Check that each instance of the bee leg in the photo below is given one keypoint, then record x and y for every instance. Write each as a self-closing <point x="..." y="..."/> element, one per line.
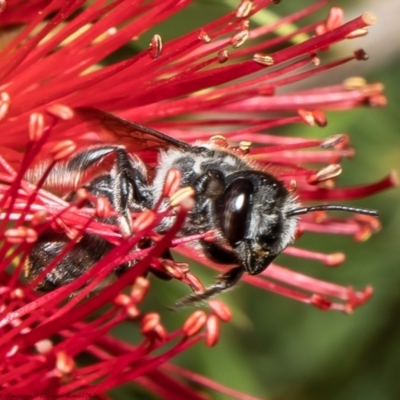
<point x="93" y="156"/>
<point x="223" y="283"/>
<point x="128" y="183"/>
<point x="218" y="253"/>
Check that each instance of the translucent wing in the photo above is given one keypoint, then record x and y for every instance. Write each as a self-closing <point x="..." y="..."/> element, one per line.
<point x="135" y="136"/>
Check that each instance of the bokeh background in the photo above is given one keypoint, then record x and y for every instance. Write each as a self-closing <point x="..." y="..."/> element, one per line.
<point x="276" y="348"/>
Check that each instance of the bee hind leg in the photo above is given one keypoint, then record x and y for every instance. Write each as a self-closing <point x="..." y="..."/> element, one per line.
<point x="125" y="186"/>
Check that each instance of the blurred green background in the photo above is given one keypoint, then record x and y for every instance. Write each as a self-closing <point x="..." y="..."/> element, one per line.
<point x="276" y="348"/>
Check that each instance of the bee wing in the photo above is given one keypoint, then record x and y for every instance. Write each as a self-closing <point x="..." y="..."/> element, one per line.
<point x="135" y="136"/>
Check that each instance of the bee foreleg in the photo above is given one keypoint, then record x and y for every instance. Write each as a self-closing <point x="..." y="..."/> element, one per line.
<point x="224" y="282"/>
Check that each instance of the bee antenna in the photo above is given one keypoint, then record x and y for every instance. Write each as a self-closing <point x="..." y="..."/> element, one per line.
<point x="332" y="207"/>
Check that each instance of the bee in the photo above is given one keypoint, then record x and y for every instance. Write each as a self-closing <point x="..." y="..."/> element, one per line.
<point x="253" y="215"/>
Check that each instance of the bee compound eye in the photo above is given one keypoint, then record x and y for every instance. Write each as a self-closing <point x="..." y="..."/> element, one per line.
<point x="233" y="209"/>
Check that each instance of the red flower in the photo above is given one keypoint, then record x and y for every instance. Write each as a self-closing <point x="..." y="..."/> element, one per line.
<point x="222" y="78"/>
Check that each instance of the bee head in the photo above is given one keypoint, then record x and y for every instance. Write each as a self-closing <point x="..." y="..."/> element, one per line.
<point x="253" y="217"/>
<point x="258" y="217"/>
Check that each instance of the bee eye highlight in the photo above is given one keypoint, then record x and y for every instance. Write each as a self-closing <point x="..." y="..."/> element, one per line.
<point x="233" y="209"/>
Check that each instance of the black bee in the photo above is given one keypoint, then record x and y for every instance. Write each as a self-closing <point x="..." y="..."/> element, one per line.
<point x="253" y="215"/>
